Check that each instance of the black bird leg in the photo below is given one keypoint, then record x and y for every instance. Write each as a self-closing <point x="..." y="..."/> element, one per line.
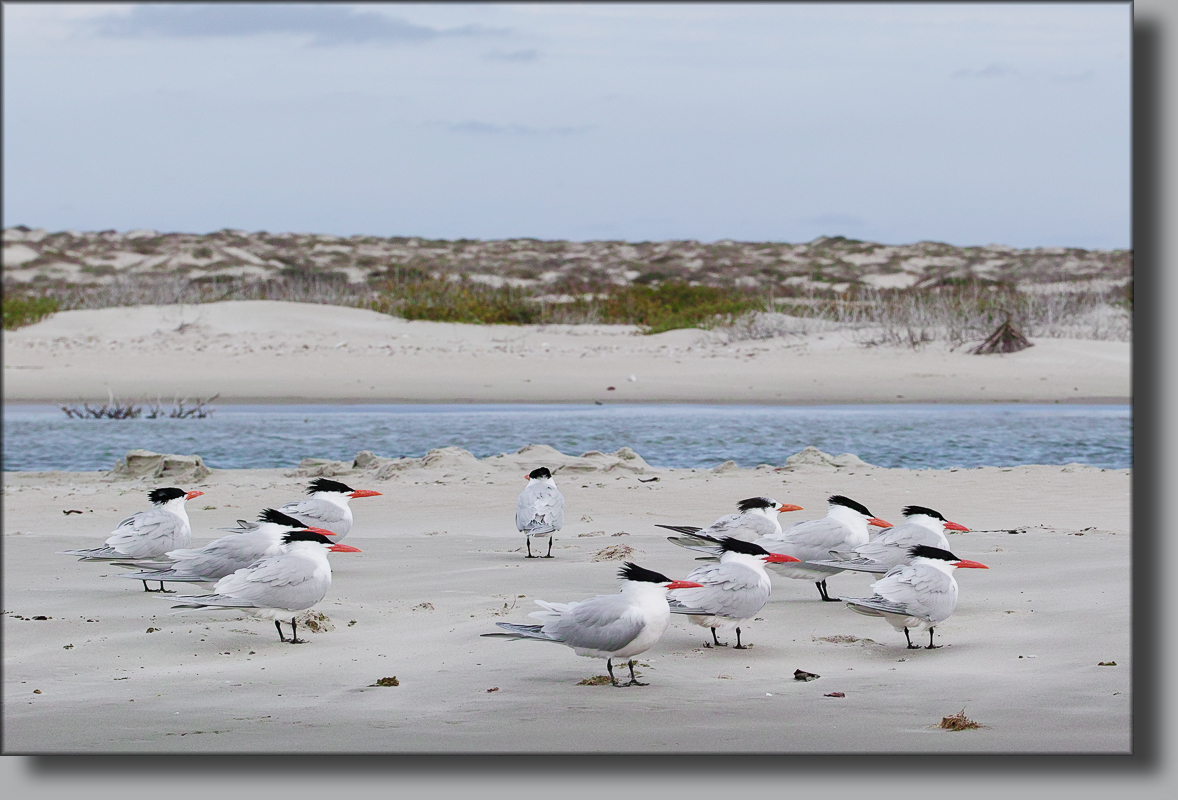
<point x="281" y="638"/>
<point x="294" y="639"/>
<point x="739" y="646"/>
<point x="716" y="639"/>
<point x="609" y="665"/>
<point x="528" y="539"/>
<point x="931" y="646"/>
<point x="911" y="646"/>
<point x="550" y="538"/>
<point x="161" y="589"/>
<point x="822" y="591"/>
<point x="634" y="681"/>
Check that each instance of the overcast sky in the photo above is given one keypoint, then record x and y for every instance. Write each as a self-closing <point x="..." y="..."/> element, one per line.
<point x="963" y="123"/>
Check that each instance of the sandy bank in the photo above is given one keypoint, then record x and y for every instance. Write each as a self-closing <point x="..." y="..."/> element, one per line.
<point x="442" y="563"/>
<point x="287" y="352"/>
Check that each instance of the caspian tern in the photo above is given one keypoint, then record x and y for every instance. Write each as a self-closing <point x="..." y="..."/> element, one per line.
<point x="892" y="547"/>
<point x="916" y="596"/>
<point x="730" y="592"/>
<point x="757" y="517"/>
<point x="246" y="544"/>
<point x="327" y="507"/>
<point x="149" y="534"/>
<point x="608" y="626"/>
<point x="272" y="587"/>
<point x="539" y="510"/>
<point x="843" y="527"/>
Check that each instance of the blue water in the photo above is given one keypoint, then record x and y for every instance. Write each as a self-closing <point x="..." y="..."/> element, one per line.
<point x="911" y="436"/>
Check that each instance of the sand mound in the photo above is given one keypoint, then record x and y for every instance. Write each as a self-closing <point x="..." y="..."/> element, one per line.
<point x="160" y="466"/>
<point x="813" y="457"/>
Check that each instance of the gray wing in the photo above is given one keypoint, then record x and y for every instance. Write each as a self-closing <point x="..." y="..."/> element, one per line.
<point x="729" y="590"/>
<point x="148" y="534"/>
<point x="811" y="540"/>
<point x="223" y="556"/>
<point x="539" y="507"/>
<point x="698" y="542"/>
<point x="286" y="581"/>
<point x="317" y="512"/>
<point x="605" y="622"/>
<point x="748" y="527"/>
<point x="916" y="591"/>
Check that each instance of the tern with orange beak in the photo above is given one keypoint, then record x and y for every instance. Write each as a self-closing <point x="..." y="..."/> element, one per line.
<point x="272" y="587"/>
<point x="608" y="626"/>
<point x="327" y="507"/>
<point x="892" y="547"/>
<point x="756" y="517"/>
<point x="147" y="535"/>
<point x="916" y="596"/>
<point x="843" y="527"/>
<point x="247" y="543"/>
<point x="731" y="592"/>
<point x="539" y="509"/>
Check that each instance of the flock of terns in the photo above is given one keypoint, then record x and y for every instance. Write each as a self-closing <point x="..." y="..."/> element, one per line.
<point x="278" y="566"/>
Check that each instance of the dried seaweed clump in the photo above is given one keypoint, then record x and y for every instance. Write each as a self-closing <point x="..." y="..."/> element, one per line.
<point x="959" y="722"/>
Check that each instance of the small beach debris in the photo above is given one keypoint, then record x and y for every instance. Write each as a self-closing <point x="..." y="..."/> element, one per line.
<point x="835" y="694"/>
<point x="387" y="682"/>
<point x="647" y="480"/>
<point x="596" y="680"/>
<point x="424" y="607"/>
<point x="71" y="511"/>
<point x="68" y="647"/>
<point x="620" y="533"/>
<point x="611" y="388"/>
<point x="493" y="689"/>
<point x="959" y="722"/>
<point x="36" y="691"/>
<point x="1107" y="664"/>
<point x="615" y="552"/>
<point x="351" y="622"/>
<point x="152" y="630"/>
<point x="802" y="675"/>
<point x="315" y="621"/>
<point x="42" y="616"/>
<point x="590" y="533"/>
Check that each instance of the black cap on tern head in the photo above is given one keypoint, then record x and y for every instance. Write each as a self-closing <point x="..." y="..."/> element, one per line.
<point x="305" y="536"/>
<point x="328" y="485"/>
<point x="756" y="502"/>
<point x="278" y="518"/>
<point x="912" y="511"/>
<point x="633" y="572"/>
<point x="733" y="545"/>
<point x="924" y="551"/>
<point x="840" y="500"/>
<point x="540" y="472"/>
<point x="161" y="496"/>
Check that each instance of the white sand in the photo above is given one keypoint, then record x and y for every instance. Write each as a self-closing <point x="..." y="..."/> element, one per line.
<point x="1020" y="655"/>
<point x="287" y="352"/>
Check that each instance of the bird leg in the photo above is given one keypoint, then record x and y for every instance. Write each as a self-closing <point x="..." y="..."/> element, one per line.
<point x="822" y="591"/>
<point x="550" y="538"/>
<point x="911" y="646"/>
<point x="716" y="639"/>
<point x="294" y="639"/>
<point x="609" y="665"/>
<point x="634" y="681"/>
<point x="528" y="539"/>
<point x="281" y="638"/>
<point x="739" y="646"/>
<point x="161" y="589"/>
<point x="931" y="646"/>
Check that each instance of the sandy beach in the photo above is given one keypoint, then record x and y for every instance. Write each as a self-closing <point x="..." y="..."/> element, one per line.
<point x="268" y="351"/>
<point x="93" y="664"/>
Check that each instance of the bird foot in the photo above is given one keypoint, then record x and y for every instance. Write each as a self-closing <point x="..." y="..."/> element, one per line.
<point x="913" y="647"/>
<point x="741" y="647"/>
<point x="830" y="600"/>
<point x="933" y="647"/>
<point x="635" y="683"/>
<point x="160" y="590"/>
<point x="533" y="556"/>
<point x="296" y="641"/>
<point x="546" y="556"/>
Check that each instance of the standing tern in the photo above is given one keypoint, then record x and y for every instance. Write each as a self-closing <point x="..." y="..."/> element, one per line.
<point x="757" y="517"/>
<point x="844" y="526"/>
<point x="916" y="596"/>
<point x="327" y="507"/>
<point x="539" y="510"/>
<point x="730" y="592"/>
<point x="891" y="547"/>
<point x="147" y="534"/>
<point x="272" y="587"/>
<point x="608" y="626"/>
<point x="246" y="544"/>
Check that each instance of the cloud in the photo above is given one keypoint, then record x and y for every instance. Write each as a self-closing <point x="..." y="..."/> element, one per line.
<point x="325" y="24"/>
<point x="992" y="71"/>
<point x="493" y="129"/>
<point x="518" y="56"/>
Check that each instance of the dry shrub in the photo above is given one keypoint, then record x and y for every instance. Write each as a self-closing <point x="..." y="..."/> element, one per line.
<point x="959" y="722"/>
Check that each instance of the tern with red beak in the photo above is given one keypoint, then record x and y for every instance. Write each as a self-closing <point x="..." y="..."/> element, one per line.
<point x="246" y="544"/>
<point x="892" y="547"/>
<point x="843" y="527"/>
<point x="731" y="592"/>
<point x="608" y="626"/>
<point x="757" y="517"/>
<point x="916" y="596"/>
<point x="147" y="535"/>
<point x="272" y="587"/>
<point x="327" y="507"/>
<point x="539" y="510"/>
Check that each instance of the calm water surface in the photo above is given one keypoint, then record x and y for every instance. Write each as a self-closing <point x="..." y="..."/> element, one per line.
<point x="911" y="436"/>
